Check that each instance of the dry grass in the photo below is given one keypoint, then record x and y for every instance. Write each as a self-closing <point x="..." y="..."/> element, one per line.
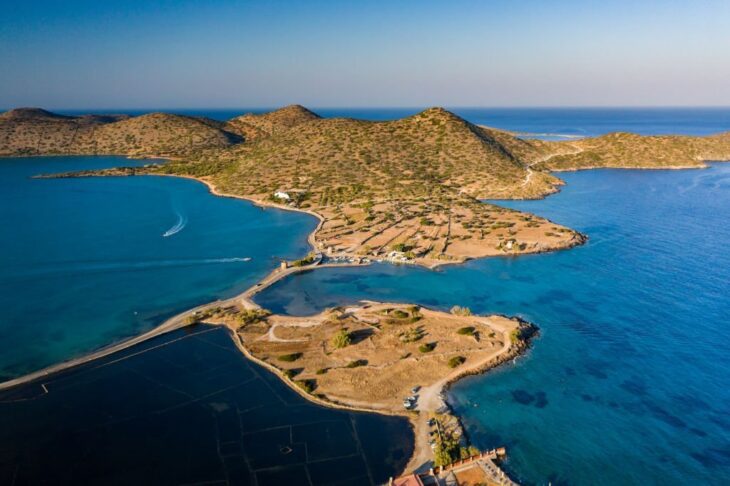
<point x="383" y="363"/>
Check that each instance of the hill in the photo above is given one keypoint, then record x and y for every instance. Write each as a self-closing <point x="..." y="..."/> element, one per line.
<point x="628" y="150"/>
<point x="341" y="157"/>
<point x="403" y="189"/>
<point x="251" y="126"/>
<point x="32" y="131"/>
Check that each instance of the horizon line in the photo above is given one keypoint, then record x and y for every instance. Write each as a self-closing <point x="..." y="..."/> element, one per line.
<point x="384" y="107"/>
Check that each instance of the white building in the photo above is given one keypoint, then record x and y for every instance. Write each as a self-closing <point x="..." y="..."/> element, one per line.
<point x="282" y="195"/>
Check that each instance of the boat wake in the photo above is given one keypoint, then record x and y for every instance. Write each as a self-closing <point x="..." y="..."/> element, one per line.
<point x="77" y="267"/>
<point x="182" y="221"/>
<point x="711" y="180"/>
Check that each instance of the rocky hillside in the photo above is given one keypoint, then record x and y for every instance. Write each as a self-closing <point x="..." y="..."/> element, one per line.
<point x="628" y="150"/>
<point x="345" y="159"/>
<point x="30" y="131"/>
<point x="251" y="126"/>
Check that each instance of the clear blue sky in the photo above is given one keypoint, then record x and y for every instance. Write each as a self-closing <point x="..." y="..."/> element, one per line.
<point x="215" y="53"/>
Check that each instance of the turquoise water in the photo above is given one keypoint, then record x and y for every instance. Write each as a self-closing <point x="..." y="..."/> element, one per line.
<point x="627" y="384"/>
<point x="629" y="381"/>
<point x="87" y="262"/>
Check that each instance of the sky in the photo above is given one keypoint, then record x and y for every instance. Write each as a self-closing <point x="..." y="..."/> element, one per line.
<point x="401" y="53"/>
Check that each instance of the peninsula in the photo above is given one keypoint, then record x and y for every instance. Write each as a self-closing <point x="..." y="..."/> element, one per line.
<point x="408" y="191"/>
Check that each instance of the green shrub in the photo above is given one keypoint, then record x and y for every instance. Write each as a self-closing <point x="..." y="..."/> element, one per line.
<point x="466" y="331"/>
<point x="303" y="261"/>
<point x="341" y="339"/>
<point x="322" y="371"/>
<point x="307" y="385"/>
<point x="427" y="347"/>
<point x="357" y="363"/>
<point x="252" y="316"/>
<point x="291" y="373"/>
<point x="290" y="357"/>
<point x="399" y="314"/>
<point x="411" y="335"/>
<point x="456" y="361"/>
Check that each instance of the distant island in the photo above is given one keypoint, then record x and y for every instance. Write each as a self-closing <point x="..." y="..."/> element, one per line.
<point x="407" y="191"/>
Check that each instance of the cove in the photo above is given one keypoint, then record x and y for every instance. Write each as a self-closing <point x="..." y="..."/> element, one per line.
<point x="88" y="262"/>
<point x="628" y="382"/>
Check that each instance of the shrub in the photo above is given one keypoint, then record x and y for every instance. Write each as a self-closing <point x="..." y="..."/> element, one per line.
<point x="303" y="261"/>
<point x="399" y="314"/>
<point x="307" y="385"/>
<point x="357" y="363"/>
<point x="457" y="310"/>
<point x="411" y="335"/>
<point x="456" y="361"/>
<point x="322" y="371"/>
<point x="466" y="331"/>
<point x="252" y="316"/>
<point x="341" y="339"/>
<point x="291" y="373"/>
<point x="427" y="347"/>
<point x="290" y="357"/>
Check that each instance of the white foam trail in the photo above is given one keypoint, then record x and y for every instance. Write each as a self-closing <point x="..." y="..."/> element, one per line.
<point x="94" y="267"/>
<point x="182" y="221"/>
<point x="696" y="181"/>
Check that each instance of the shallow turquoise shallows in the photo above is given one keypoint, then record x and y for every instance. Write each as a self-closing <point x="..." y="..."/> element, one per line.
<point x="88" y="262"/>
<point x="629" y="381"/>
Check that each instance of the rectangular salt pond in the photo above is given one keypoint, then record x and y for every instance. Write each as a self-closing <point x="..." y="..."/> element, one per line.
<point x="183" y="408"/>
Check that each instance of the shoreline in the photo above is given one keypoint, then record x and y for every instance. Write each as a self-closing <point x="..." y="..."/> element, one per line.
<point x="418" y="421"/>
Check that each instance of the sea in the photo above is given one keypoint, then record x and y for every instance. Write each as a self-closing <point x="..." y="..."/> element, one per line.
<point x="627" y="383"/>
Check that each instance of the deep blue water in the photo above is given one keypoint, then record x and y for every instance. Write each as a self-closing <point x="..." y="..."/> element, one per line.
<point x="550" y="123"/>
<point x="188" y="408"/>
<point x="84" y="263"/>
<point x="629" y="381"/>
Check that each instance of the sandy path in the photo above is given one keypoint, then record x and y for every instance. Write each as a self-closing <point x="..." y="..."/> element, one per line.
<point x="271" y="335"/>
<point x="430" y="400"/>
<point x="530" y="172"/>
<point x="176" y="322"/>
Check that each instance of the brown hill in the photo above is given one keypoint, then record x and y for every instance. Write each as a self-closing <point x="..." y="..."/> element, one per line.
<point x="628" y="150"/>
<point x="32" y="131"/>
<point x="407" y="184"/>
<point x="157" y="134"/>
<point x="252" y="126"/>
<point x="409" y="157"/>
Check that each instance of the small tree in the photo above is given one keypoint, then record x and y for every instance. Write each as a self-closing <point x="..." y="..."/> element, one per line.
<point x="341" y="339"/>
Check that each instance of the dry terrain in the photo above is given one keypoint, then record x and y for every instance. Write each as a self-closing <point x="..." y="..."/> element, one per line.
<point x="407" y="190"/>
<point x="628" y="150"/>
<point x="373" y="355"/>
<point x="25" y="132"/>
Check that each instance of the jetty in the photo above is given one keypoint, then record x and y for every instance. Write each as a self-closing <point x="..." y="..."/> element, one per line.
<point x="480" y="468"/>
